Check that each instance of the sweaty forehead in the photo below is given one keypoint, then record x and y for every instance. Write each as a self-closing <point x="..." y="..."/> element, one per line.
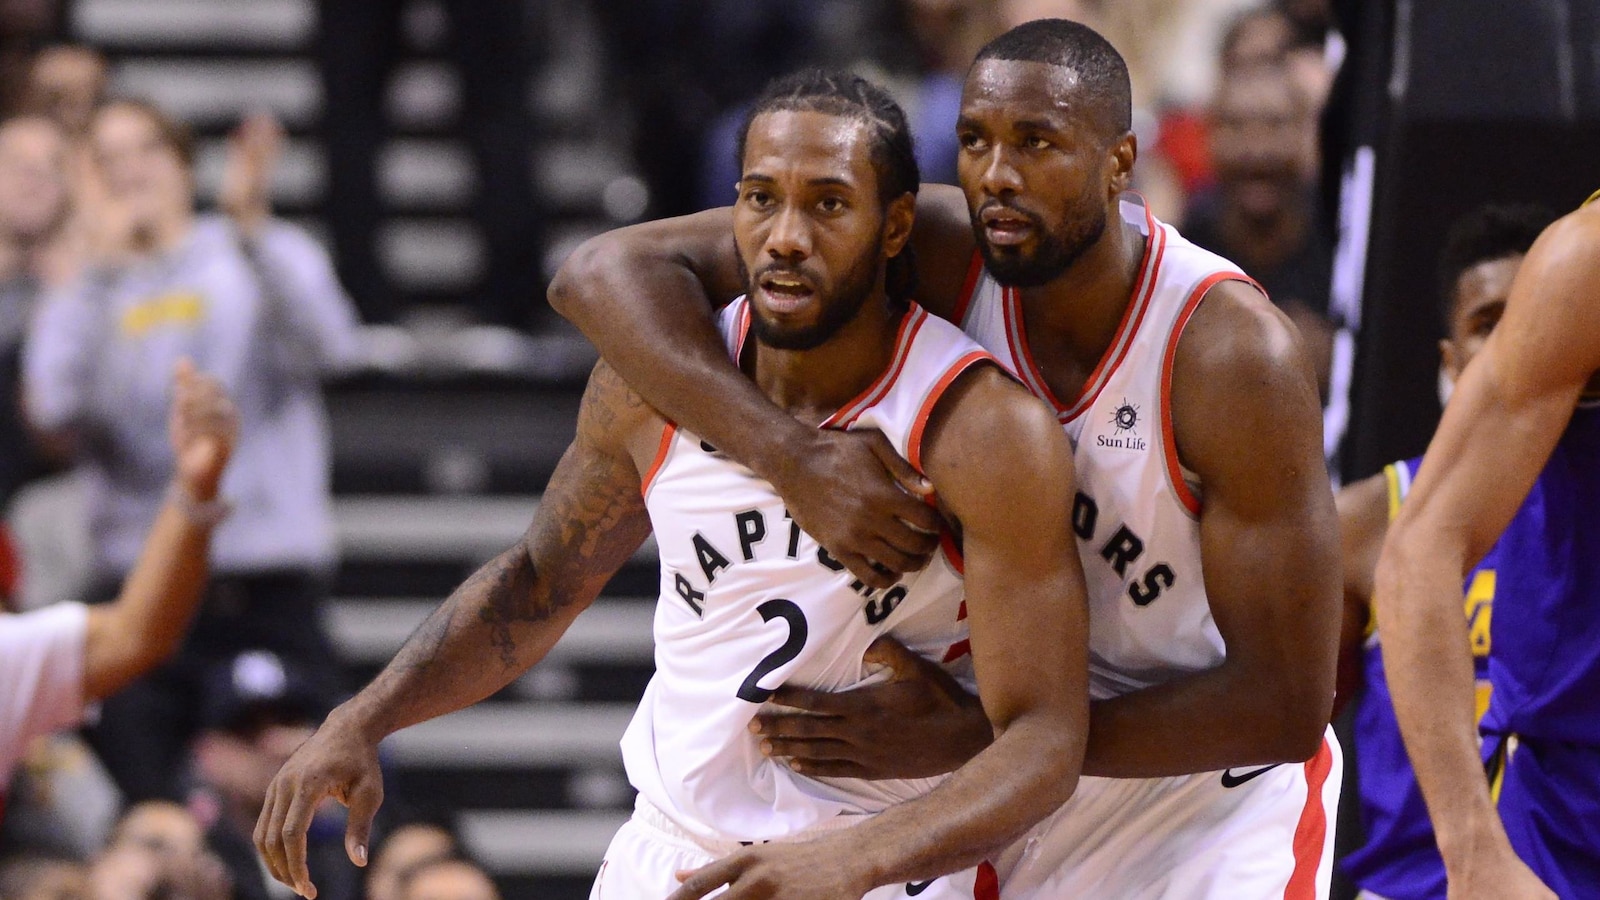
<point x="1015" y="90"/>
<point x="808" y="145"/>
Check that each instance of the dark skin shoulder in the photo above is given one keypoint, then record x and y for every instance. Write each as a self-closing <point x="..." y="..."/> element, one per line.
<point x="1248" y="422"/>
<point x="645" y="296"/>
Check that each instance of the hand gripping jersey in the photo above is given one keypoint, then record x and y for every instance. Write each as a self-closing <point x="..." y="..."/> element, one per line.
<point x="749" y="602"/>
<point x="1239" y="833"/>
<point x="1400" y="859"/>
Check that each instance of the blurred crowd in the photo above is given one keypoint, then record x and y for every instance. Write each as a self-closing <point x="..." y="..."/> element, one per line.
<point x="110" y="272"/>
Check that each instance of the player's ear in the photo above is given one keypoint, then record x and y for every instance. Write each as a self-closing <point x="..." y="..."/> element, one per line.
<point x="1119" y="160"/>
<point x="898" y="217"/>
<point x="1449" y="361"/>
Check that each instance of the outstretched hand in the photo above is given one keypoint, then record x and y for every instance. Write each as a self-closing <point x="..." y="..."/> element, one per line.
<point x="864" y="504"/>
<point x="918" y="724"/>
<point x="336" y="762"/>
<point x="202" y="427"/>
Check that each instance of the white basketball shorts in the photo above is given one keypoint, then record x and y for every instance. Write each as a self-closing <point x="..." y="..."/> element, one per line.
<point x="1247" y="833"/>
<point x="649" y="849"/>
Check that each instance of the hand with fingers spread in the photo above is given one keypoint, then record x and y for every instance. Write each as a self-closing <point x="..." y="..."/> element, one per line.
<point x="864" y="503"/>
<point x="339" y="761"/>
<point x="811" y="870"/>
<point x="918" y="724"/>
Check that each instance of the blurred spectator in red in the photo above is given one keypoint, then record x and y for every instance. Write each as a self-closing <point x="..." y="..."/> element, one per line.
<point x="255" y="710"/>
<point x="254" y="302"/>
<point x="1262" y="211"/>
<point x="66" y="83"/>
<point x="157" y="850"/>
<point x="451" y="878"/>
<point x="54" y="661"/>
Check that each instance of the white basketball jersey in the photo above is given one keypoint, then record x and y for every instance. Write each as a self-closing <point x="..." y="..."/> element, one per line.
<point x="1137" y="510"/>
<point x="750" y="602"/>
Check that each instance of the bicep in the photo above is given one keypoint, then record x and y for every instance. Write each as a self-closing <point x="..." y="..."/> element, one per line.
<point x="1026" y="600"/>
<point x="624" y="263"/>
<point x="1247" y="420"/>
<point x="592" y="516"/>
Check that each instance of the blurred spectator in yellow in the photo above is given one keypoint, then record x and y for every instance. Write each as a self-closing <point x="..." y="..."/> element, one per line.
<point x="66" y="83"/>
<point x="1262" y="211"/>
<point x="254" y="302"/>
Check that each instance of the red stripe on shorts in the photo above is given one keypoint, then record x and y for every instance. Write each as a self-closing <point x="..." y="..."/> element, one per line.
<point x="1312" y="832"/>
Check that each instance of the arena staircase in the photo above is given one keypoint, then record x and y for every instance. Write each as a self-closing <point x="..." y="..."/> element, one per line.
<point x="444" y="439"/>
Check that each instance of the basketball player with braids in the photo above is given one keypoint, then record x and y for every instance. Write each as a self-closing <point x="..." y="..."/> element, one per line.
<point x="749" y="601"/>
<point x="1203" y="516"/>
<point x="1516" y="458"/>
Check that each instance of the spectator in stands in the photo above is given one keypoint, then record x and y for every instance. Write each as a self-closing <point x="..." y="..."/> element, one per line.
<point x="492" y="50"/>
<point x="40" y="877"/>
<point x="1262" y="212"/>
<point x="158" y="851"/>
<point x="55" y="660"/>
<point x="67" y="83"/>
<point x="447" y="878"/>
<point x="407" y="847"/>
<point x="255" y="303"/>
<point x="33" y="207"/>
<point x="255" y="710"/>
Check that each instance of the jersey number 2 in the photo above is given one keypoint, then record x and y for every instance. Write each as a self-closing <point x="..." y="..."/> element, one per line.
<point x="796" y="617"/>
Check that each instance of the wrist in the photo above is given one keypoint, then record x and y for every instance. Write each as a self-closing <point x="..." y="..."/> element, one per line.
<point x="1470" y="839"/>
<point x="354" y="719"/>
<point x="783" y="452"/>
<point x="197" y="500"/>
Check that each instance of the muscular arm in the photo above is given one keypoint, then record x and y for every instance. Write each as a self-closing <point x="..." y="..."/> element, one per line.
<point x="644" y="296"/>
<point x="1028" y="615"/>
<point x="500" y="621"/>
<point x="1363" y="521"/>
<point x="1506" y="415"/>
<point x="1247" y="420"/>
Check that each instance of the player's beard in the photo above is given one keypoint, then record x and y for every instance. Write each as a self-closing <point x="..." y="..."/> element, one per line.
<point x="1054" y="252"/>
<point x="839" y="307"/>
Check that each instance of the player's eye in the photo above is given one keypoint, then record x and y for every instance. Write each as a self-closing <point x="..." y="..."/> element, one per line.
<point x="831" y="205"/>
<point x="758" y="198"/>
<point x="972" y="142"/>
<point x="1035" y="142"/>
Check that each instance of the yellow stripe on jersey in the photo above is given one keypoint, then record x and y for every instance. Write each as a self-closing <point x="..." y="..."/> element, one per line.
<point x="1592" y="198"/>
<point x="1392" y="475"/>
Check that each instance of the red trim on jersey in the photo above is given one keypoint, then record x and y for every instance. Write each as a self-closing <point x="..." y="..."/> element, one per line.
<point x="935" y="394"/>
<point x="667" y="431"/>
<point x="987" y="886"/>
<point x="743" y="330"/>
<point x="974" y="272"/>
<point x="1312" y="831"/>
<point x="846" y="415"/>
<point x="947" y="543"/>
<point x="1132" y="317"/>
<point x="957" y="650"/>
<point x="1168" y="441"/>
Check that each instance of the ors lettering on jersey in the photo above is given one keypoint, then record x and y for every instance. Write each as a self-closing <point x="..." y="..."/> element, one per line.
<point x="1137" y="511"/>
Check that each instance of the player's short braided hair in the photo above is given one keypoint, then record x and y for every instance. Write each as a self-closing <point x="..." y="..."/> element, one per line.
<point x="893" y="156"/>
